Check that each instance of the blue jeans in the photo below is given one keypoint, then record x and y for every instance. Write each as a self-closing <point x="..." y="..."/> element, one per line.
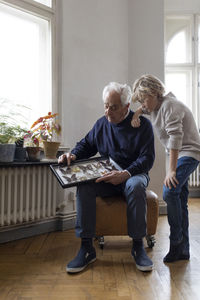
<point x="177" y="202"/>
<point x="134" y="190"/>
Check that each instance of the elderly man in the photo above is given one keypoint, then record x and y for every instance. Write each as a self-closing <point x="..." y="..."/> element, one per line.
<point x="133" y="150"/>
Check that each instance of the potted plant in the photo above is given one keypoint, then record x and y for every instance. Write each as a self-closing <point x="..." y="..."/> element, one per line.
<point x="9" y="135"/>
<point x="32" y="146"/>
<point x="47" y="130"/>
<point x="13" y="127"/>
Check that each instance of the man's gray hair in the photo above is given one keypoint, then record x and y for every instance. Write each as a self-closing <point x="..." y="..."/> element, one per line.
<point x="122" y="89"/>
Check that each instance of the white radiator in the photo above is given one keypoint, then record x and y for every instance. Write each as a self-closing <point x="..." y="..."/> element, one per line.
<point x="194" y="180"/>
<point x="27" y="194"/>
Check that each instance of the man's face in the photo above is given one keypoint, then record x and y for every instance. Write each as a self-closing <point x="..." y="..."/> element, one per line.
<point x="114" y="111"/>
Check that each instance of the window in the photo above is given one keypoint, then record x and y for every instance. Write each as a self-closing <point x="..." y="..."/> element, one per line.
<point x="45" y="2"/>
<point x="182" y="59"/>
<point x="26" y="56"/>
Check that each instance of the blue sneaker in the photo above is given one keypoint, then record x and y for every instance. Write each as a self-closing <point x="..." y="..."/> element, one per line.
<point x="80" y="262"/>
<point x="143" y="262"/>
<point x="177" y="252"/>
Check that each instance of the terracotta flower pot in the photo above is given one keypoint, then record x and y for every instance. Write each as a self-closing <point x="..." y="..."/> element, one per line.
<point x="50" y="149"/>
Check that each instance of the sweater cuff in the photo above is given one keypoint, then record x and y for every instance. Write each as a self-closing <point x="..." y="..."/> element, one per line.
<point x="128" y="172"/>
<point x="175" y="143"/>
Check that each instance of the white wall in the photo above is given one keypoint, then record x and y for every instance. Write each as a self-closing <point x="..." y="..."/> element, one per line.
<point x="95" y="52"/>
<point x="190" y="6"/>
<point x="102" y="41"/>
<point x="146" y="38"/>
<point x="146" y="55"/>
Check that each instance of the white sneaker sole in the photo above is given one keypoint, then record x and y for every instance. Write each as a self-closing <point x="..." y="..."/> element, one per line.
<point x="144" y="268"/>
<point x="77" y="270"/>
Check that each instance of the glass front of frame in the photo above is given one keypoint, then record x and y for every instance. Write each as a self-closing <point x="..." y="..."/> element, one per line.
<point x="83" y="171"/>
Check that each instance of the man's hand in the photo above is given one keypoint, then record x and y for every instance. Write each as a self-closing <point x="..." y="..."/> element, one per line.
<point x="171" y="180"/>
<point x="114" y="177"/>
<point x="66" y="158"/>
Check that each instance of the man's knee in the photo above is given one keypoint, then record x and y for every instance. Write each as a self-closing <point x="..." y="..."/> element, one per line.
<point x="135" y="187"/>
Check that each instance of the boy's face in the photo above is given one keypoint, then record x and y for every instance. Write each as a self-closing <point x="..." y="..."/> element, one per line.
<point x="150" y="103"/>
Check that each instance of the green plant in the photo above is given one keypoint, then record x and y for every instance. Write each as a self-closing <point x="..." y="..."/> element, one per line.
<point x="9" y="134"/>
<point x="13" y="122"/>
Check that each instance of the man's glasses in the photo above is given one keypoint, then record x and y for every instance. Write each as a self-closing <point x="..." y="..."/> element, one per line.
<point x="111" y="107"/>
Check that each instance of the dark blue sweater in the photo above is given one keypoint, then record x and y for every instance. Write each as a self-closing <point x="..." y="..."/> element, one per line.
<point x="131" y="148"/>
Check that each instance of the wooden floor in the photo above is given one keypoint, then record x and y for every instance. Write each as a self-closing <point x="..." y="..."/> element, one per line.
<point x="34" y="268"/>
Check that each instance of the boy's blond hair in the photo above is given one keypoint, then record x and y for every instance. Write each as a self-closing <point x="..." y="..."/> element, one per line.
<point x="147" y="85"/>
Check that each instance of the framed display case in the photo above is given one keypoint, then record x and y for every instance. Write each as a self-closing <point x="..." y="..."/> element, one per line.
<point x="82" y="171"/>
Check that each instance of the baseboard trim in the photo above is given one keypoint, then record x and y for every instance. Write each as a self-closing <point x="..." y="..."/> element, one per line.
<point x="194" y="193"/>
<point x="16" y="232"/>
<point x="162" y="208"/>
<point x="58" y="223"/>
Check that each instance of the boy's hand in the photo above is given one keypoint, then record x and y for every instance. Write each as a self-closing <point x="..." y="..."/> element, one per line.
<point x="171" y="180"/>
<point x="135" y="122"/>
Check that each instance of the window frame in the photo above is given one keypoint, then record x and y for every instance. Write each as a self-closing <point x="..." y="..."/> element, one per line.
<point x="37" y="4"/>
<point x="194" y="66"/>
<point x="31" y="5"/>
<point x="186" y="70"/>
<point x="180" y="16"/>
<point x="49" y="14"/>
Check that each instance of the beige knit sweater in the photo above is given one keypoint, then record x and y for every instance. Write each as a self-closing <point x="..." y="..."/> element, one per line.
<point x="175" y="126"/>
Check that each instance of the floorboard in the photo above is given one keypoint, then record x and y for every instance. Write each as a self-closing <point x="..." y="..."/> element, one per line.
<point x="34" y="268"/>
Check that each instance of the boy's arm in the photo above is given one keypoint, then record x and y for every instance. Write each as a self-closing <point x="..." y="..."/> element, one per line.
<point x="135" y="122"/>
<point x="170" y="178"/>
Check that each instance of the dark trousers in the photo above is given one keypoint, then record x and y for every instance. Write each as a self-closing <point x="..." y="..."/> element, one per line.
<point x="177" y="201"/>
<point x="134" y="190"/>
